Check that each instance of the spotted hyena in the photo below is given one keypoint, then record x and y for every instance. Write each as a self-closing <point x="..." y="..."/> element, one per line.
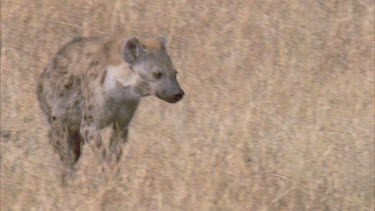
<point x="92" y="83"/>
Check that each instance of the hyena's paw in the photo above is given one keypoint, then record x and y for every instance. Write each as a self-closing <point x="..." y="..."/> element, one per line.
<point x="108" y="166"/>
<point x="110" y="172"/>
<point x="68" y="177"/>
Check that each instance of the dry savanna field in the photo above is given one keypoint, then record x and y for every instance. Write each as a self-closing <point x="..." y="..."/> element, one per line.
<point x="278" y="112"/>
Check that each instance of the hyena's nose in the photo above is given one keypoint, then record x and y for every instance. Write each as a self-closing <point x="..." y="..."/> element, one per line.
<point x="179" y="95"/>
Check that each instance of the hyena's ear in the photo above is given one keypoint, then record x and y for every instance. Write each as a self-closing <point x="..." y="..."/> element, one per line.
<point x="163" y="42"/>
<point x="132" y="50"/>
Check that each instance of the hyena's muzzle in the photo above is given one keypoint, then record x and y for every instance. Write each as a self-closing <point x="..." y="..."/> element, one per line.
<point x="170" y="91"/>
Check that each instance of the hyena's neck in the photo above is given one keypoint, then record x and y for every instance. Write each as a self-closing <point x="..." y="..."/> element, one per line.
<point x="121" y="83"/>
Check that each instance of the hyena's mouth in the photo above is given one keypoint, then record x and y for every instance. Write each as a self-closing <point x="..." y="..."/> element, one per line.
<point x="173" y="98"/>
<point x="145" y="90"/>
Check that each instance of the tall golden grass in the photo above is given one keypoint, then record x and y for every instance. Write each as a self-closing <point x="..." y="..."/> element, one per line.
<point x="278" y="114"/>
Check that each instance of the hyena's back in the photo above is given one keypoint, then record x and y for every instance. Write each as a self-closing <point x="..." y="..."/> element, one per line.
<point x="59" y="86"/>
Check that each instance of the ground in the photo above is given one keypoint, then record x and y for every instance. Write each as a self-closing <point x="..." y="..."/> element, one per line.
<point x="278" y="112"/>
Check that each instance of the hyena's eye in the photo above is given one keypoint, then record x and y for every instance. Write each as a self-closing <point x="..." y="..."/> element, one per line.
<point x="157" y="75"/>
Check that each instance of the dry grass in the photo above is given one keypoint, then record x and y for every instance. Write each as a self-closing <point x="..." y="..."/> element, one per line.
<point x="279" y="112"/>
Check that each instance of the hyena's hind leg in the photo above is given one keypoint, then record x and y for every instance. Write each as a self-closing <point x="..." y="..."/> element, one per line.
<point x="75" y="141"/>
<point x="68" y="145"/>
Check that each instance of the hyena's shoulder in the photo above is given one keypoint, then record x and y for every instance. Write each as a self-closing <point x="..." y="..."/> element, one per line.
<point x="74" y="55"/>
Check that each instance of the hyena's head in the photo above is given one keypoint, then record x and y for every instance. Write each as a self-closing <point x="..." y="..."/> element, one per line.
<point x="150" y="61"/>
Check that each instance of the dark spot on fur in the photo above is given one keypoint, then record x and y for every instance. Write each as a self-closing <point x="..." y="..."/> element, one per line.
<point x="94" y="63"/>
<point x="94" y="75"/>
<point x="6" y="134"/>
<point x="106" y="50"/>
<point x="58" y="133"/>
<point x="86" y="133"/>
<point x="90" y="107"/>
<point x="68" y="82"/>
<point x="69" y="85"/>
<point x="98" y="144"/>
<point x="54" y="118"/>
<point x="103" y="77"/>
<point x="76" y="39"/>
<point x="62" y="50"/>
<point x="91" y="137"/>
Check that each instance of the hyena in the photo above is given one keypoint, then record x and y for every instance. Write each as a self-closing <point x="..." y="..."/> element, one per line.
<point x="92" y="83"/>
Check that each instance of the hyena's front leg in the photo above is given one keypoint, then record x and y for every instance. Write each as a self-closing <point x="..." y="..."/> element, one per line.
<point x="90" y="131"/>
<point x="90" y="122"/>
<point x="91" y="134"/>
<point x="118" y="139"/>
